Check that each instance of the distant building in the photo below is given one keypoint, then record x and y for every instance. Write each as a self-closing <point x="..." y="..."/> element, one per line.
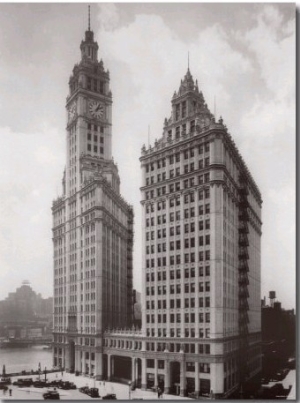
<point x="278" y="335"/>
<point x="25" y="305"/>
<point x="137" y="309"/>
<point x="25" y="314"/>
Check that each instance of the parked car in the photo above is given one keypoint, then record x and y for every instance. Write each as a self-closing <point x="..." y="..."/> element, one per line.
<point x="66" y="385"/>
<point x="84" y="389"/>
<point x="110" y="396"/>
<point x="93" y="392"/>
<point x="21" y="382"/>
<point x="56" y="383"/>
<point x="3" y="387"/>
<point x="40" y="384"/>
<point x="5" y="380"/>
<point x="51" y="395"/>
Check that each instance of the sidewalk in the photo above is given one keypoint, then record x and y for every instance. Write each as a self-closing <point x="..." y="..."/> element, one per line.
<point x="120" y="390"/>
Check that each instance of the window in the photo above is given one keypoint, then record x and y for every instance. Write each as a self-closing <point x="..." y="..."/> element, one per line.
<point x="192" y="126"/>
<point x="177" y="111"/>
<point x="183" y="109"/>
<point x="177" y="132"/>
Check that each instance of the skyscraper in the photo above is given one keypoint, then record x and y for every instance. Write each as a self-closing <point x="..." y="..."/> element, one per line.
<point x="201" y="325"/>
<point x="92" y="224"/>
<point x="201" y="250"/>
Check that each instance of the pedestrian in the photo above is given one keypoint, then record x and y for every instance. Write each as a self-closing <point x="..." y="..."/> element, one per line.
<point x="158" y="393"/>
<point x="104" y="383"/>
<point x="10" y="391"/>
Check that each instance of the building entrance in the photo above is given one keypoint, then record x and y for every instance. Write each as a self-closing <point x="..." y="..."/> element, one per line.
<point x="175" y="378"/>
<point x="121" y="369"/>
<point x="71" y="356"/>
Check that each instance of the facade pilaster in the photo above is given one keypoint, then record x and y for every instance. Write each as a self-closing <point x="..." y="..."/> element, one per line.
<point x="99" y="366"/>
<point x="108" y="367"/>
<point x="167" y="377"/>
<point x="144" y="382"/>
<point x="182" y="378"/>
<point x="197" y="381"/>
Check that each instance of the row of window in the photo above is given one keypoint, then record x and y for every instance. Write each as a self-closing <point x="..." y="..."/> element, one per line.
<point x="188" y="243"/>
<point x="95" y="148"/>
<point x="188" y="258"/>
<point x="95" y="85"/>
<point x="176" y="288"/>
<point x="176" y="158"/>
<point x="176" y="216"/>
<point x="188" y="273"/>
<point x="162" y="332"/>
<point x="161" y="233"/>
<point x="174" y="187"/>
<point x="172" y="347"/>
<point x="175" y="201"/>
<point x="175" y="173"/>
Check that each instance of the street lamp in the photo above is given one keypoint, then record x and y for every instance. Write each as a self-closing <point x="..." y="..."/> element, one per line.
<point x="129" y="384"/>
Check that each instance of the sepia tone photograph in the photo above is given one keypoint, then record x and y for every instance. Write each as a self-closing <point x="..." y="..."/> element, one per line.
<point x="147" y="179"/>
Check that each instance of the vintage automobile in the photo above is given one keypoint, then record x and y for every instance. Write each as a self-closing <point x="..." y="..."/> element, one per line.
<point x="5" y="380"/>
<point x="93" y="392"/>
<point x="109" y="396"/>
<point x="23" y="382"/>
<point x="40" y="384"/>
<point x="67" y="385"/>
<point x="84" y="389"/>
<point x="51" y="395"/>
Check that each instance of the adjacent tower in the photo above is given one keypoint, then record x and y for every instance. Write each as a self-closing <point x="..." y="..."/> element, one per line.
<point x="201" y="253"/>
<point x="92" y="224"/>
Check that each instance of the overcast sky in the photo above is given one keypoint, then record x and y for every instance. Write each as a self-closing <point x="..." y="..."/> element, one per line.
<point x="243" y="54"/>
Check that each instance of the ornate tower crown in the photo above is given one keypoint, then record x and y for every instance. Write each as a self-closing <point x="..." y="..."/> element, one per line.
<point x="89" y="48"/>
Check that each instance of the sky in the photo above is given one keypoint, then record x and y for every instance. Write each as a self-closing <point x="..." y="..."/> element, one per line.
<point x="243" y="56"/>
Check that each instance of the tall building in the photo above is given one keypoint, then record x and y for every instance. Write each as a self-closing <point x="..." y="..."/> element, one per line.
<point x="92" y="224"/>
<point x="201" y="316"/>
<point x="201" y="251"/>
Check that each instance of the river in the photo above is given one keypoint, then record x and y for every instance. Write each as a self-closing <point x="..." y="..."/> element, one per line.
<point x="19" y="359"/>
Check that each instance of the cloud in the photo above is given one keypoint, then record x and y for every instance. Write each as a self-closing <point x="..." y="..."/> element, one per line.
<point x="252" y="74"/>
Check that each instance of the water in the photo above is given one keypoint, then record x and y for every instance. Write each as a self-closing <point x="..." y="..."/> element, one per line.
<point x="19" y="359"/>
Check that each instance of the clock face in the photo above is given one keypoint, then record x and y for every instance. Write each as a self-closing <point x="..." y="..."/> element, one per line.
<point x="96" y="109"/>
<point x="72" y="111"/>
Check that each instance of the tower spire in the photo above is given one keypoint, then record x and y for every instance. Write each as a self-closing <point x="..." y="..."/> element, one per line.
<point x="188" y="60"/>
<point x="89" y="27"/>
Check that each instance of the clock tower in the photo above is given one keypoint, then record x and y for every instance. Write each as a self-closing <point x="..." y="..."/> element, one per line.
<point x="92" y="225"/>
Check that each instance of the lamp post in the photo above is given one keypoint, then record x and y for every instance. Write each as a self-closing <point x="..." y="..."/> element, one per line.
<point x="129" y="391"/>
